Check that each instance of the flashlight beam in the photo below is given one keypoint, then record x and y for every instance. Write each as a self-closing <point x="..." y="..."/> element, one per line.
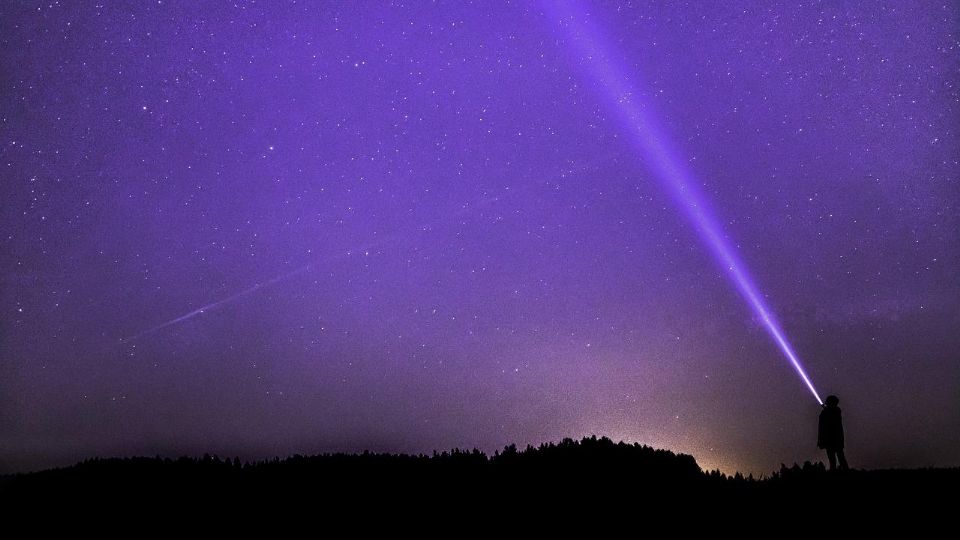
<point x="595" y="57"/>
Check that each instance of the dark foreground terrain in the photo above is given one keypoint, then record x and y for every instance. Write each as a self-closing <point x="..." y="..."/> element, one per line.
<point x="556" y="481"/>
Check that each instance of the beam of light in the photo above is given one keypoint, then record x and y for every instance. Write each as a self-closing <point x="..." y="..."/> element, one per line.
<point x="595" y="57"/>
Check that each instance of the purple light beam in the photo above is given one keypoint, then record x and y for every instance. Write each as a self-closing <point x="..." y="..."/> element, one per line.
<point x="595" y="57"/>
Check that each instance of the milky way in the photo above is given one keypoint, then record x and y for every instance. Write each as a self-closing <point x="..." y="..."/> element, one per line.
<point x="259" y="230"/>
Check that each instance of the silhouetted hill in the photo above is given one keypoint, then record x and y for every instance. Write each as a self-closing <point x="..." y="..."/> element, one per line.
<point x="593" y="473"/>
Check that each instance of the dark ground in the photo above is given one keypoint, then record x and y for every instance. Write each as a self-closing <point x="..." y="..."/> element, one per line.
<point x="553" y="482"/>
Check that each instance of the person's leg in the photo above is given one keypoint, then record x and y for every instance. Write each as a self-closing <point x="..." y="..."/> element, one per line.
<point x="832" y="456"/>
<point x="843" y="459"/>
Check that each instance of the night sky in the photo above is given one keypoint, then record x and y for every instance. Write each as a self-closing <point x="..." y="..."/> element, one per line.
<point x="268" y="228"/>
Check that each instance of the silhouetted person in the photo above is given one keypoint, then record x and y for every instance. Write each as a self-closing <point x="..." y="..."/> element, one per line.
<point x="830" y="433"/>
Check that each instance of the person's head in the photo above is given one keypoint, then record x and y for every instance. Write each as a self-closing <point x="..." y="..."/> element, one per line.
<point x="832" y="401"/>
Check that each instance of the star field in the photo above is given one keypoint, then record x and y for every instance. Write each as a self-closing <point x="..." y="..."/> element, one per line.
<point x="260" y="229"/>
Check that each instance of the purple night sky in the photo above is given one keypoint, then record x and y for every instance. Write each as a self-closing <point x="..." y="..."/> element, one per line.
<point x="417" y="226"/>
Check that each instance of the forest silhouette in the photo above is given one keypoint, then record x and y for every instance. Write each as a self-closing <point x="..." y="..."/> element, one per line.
<point x="592" y="473"/>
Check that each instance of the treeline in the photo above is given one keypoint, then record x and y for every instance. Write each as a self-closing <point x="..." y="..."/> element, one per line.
<point x="592" y="473"/>
<point x="590" y="460"/>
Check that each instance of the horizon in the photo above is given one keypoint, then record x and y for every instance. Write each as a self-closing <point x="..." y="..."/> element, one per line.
<point x="448" y="451"/>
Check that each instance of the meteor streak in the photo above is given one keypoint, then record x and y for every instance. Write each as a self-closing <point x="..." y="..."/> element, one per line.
<point x="464" y="208"/>
<point x="596" y="58"/>
<point x="214" y="305"/>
